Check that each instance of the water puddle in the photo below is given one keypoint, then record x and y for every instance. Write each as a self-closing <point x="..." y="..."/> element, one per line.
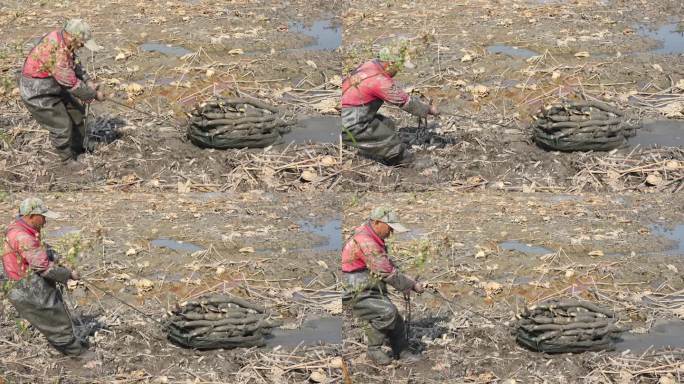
<point x="167" y="277"/>
<point x="675" y="234"/>
<point x="663" y="335"/>
<point x="327" y="36"/>
<point x="511" y="51"/>
<point x="176" y="245"/>
<point x="62" y="231"/>
<point x="563" y="198"/>
<point x="208" y="196"/>
<point x="168" y="50"/>
<point x="664" y="133"/>
<point x="412" y="234"/>
<point x="330" y="230"/>
<point x="321" y="331"/>
<point x="322" y="129"/>
<point x="670" y="36"/>
<point x="514" y="245"/>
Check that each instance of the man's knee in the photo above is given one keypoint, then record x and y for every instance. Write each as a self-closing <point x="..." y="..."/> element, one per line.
<point x="388" y="314"/>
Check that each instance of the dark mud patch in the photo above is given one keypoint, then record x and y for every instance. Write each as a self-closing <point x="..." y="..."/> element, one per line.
<point x="426" y="328"/>
<point x="425" y="137"/>
<point x="323" y="331"/>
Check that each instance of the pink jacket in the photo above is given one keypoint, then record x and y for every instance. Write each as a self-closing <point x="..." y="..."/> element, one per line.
<point x="365" y="250"/>
<point x="23" y="251"/>
<point x="370" y="82"/>
<point x="51" y="58"/>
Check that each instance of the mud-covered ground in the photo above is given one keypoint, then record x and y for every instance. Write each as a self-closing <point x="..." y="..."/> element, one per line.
<point x="492" y="64"/>
<point x="157" y="220"/>
<point x="495" y="253"/>
<point x="156" y="251"/>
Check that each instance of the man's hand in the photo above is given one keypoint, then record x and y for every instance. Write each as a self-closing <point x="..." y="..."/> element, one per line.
<point x="75" y="275"/>
<point x="100" y="96"/>
<point x="419" y="287"/>
<point x="434" y="110"/>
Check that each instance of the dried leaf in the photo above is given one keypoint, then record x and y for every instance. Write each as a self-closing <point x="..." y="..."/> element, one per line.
<point x="318" y="376"/>
<point x="309" y="176"/>
<point x="328" y="161"/>
<point x="596" y="253"/>
<point x="133" y="89"/>
<point x="654" y="179"/>
<point x="246" y="250"/>
<point x="311" y="64"/>
<point x="582" y="54"/>
<point x="184" y="187"/>
<point x="236" y="51"/>
<point x="478" y="90"/>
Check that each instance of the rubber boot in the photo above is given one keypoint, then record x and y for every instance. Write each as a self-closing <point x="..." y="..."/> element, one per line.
<point x="375" y="340"/>
<point x="399" y="343"/>
<point x="73" y="348"/>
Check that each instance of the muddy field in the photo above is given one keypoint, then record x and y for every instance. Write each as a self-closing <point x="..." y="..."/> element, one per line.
<point x="493" y="66"/>
<point x="155" y="251"/>
<point x="497" y="223"/>
<point x="493" y="254"/>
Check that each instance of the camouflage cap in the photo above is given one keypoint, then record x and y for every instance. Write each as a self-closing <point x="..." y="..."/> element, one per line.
<point x="35" y="206"/>
<point x="389" y="217"/>
<point x="81" y="29"/>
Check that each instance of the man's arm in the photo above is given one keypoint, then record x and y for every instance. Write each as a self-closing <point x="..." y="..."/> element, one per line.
<point x="65" y="73"/>
<point x="379" y="264"/>
<point x="80" y="71"/>
<point x="37" y="258"/>
<point x="387" y="89"/>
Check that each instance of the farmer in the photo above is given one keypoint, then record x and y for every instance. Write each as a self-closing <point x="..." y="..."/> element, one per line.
<point x="30" y="266"/>
<point x="367" y="270"/>
<point x="54" y="87"/>
<point x="363" y="93"/>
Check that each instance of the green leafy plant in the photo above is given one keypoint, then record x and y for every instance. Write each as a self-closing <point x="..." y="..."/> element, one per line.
<point x="7" y="286"/>
<point x="416" y="253"/>
<point x="22" y="326"/>
<point x="70" y="247"/>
